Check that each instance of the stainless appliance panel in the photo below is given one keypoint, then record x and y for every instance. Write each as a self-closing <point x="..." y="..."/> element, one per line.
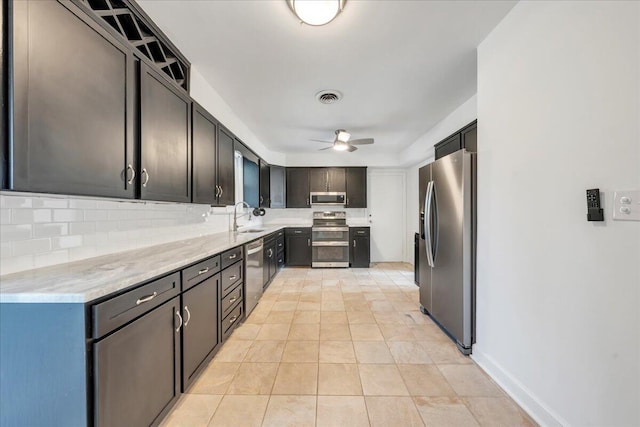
<point x="330" y="234"/>
<point x="330" y="256"/>
<point x="451" y="275"/>
<point x="446" y="245"/>
<point x="331" y="198"/>
<point x="424" y="270"/>
<point x="254" y="275"/>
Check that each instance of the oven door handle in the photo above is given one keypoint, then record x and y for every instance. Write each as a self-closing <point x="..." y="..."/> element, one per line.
<point x="330" y="243"/>
<point x="321" y="229"/>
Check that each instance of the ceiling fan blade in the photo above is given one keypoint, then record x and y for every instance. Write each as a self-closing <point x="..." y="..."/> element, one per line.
<point x="351" y="148"/>
<point x="320" y="140"/>
<point x="361" y="141"/>
<point x="328" y="148"/>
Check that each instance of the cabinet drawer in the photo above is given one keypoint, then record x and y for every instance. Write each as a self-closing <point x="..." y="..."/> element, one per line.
<point x="197" y="273"/>
<point x="280" y="260"/>
<point x="231" y="300"/>
<point x="229" y="322"/>
<point x="360" y="231"/>
<point x="231" y="256"/>
<point x="230" y="277"/>
<point x="117" y="311"/>
<point x="294" y="231"/>
<point x="280" y="233"/>
<point x="280" y="244"/>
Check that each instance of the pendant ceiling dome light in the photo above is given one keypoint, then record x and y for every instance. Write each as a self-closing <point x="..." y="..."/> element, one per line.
<point x="316" y="12"/>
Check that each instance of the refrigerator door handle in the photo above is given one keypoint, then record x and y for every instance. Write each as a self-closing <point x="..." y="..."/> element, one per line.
<point x="427" y="223"/>
<point x="435" y="233"/>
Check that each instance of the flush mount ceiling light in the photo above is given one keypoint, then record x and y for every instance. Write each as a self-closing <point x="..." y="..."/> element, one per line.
<point x="316" y="12"/>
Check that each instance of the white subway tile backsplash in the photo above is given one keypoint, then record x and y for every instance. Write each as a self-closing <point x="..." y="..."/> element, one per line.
<point x="5" y="216"/>
<point x="50" y="229"/>
<point x="68" y="215"/>
<point x="11" y="233"/>
<point x="51" y="258"/>
<point x="31" y="247"/>
<point x="52" y="203"/>
<point x="82" y="227"/>
<point x="5" y="249"/>
<point x="83" y="204"/>
<point x="29" y="216"/>
<point x="16" y="263"/>
<point x="96" y="215"/>
<point x="7" y="201"/>
<point x="55" y="229"/>
<point x="66" y="242"/>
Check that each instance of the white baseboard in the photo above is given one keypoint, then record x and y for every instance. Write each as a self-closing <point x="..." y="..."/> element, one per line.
<point x="518" y="392"/>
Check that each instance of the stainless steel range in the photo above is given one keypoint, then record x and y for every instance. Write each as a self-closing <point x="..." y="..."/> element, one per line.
<point x="330" y="240"/>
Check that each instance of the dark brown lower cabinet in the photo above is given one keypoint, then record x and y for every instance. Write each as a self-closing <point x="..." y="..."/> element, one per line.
<point x="298" y="247"/>
<point x="200" y="335"/>
<point x="359" y="253"/>
<point x="137" y="369"/>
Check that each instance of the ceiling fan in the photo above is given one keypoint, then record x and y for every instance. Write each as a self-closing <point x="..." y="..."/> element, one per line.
<point x="343" y="142"/>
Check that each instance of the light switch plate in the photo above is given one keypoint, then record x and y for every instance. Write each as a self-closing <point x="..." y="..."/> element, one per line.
<point x="626" y="205"/>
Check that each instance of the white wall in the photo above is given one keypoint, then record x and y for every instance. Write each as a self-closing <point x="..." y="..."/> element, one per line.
<point x="421" y="153"/>
<point x="208" y="97"/>
<point x="557" y="296"/>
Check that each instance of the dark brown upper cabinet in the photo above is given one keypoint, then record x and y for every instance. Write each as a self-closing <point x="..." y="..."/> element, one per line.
<point x="265" y="184"/>
<point x="298" y="188"/>
<point x="356" y="187"/>
<point x="466" y="138"/>
<point x="226" y="177"/>
<point x="165" y="138"/>
<point x="469" y="136"/>
<point x="74" y="102"/>
<point x="205" y="157"/>
<point x="213" y="167"/>
<point x="327" y="179"/>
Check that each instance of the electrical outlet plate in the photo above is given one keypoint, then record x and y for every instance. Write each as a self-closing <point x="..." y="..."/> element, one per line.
<point x="626" y="205"/>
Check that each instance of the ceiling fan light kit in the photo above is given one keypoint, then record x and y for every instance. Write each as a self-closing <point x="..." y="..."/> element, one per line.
<point x="343" y="142"/>
<point x="342" y="135"/>
<point x="316" y="12"/>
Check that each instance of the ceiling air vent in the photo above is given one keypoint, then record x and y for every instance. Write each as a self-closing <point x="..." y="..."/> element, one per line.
<point x="329" y="96"/>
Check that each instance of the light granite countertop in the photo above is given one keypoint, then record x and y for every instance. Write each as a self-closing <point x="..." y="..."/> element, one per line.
<point x="86" y="280"/>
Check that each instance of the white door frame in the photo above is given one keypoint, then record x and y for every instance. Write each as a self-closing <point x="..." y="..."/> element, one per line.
<point x="403" y="206"/>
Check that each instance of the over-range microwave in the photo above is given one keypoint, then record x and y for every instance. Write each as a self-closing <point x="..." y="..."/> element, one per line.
<point x="335" y="198"/>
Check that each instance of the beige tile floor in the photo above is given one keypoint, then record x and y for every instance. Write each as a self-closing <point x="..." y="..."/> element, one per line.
<point x="343" y="347"/>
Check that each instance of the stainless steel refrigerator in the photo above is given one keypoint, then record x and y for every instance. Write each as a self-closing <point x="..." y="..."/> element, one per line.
<point x="446" y="249"/>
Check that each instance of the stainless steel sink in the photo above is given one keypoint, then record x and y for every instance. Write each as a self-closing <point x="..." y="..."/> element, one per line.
<point x="252" y="230"/>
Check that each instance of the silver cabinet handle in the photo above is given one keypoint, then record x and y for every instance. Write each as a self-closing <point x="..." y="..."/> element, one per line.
<point x="204" y="270"/>
<point x="186" y="322"/>
<point x="179" y="318"/>
<point x="233" y="319"/>
<point x="261" y="199"/>
<point x="146" y="299"/>
<point x="221" y="191"/>
<point x="215" y="194"/>
<point x="347" y="201"/>
<point x="234" y="256"/>
<point x="232" y="300"/>
<point x="308" y="242"/>
<point x="354" y="243"/>
<point x="307" y="201"/>
<point x="133" y="174"/>
<point x="234" y="277"/>
<point x="146" y="177"/>
<point x="270" y="252"/>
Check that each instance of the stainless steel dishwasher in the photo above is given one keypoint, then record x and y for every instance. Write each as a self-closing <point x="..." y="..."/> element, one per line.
<point x="254" y="274"/>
